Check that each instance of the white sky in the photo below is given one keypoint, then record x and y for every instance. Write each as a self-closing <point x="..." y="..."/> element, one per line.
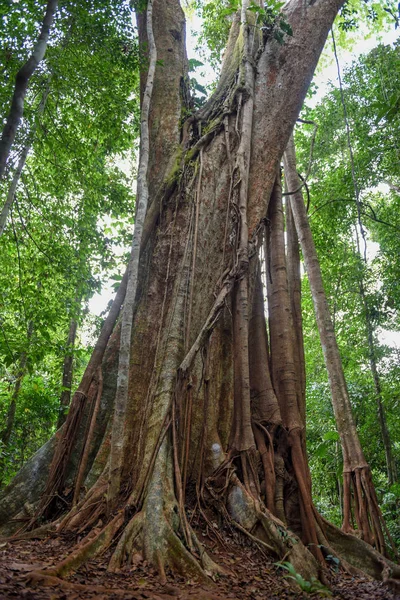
<point x="323" y="79"/>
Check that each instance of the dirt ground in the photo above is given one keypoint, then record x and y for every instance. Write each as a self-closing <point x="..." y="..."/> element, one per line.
<point x="252" y="575"/>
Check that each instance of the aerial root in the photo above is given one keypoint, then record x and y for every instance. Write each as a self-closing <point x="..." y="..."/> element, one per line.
<point x="360" y="499"/>
<point x="86" y="512"/>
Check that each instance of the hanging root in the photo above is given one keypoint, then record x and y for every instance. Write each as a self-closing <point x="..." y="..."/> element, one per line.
<point x="360" y="500"/>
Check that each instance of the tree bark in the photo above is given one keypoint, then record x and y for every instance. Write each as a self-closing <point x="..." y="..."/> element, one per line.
<point x="181" y="380"/>
<point x="67" y="373"/>
<point x="142" y="195"/>
<point x="356" y="471"/>
<point x="21" y="86"/>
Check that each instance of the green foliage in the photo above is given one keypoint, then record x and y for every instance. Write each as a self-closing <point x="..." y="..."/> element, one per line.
<point x="74" y="202"/>
<point x="355" y="12"/>
<point x="271" y="21"/>
<point x="370" y="94"/>
<point x="314" y="586"/>
<point x="216" y="18"/>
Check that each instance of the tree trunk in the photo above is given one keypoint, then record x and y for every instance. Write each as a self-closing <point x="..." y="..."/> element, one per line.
<point x="183" y="442"/>
<point x="356" y="471"/>
<point x="67" y="373"/>
<point x="7" y="431"/>
<point x="21" y="86"/>
<point x="22" y="160"/>
<point x="387" y="443"/>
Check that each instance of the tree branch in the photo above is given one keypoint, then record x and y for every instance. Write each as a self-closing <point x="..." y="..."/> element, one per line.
<point x="21" y="86"/>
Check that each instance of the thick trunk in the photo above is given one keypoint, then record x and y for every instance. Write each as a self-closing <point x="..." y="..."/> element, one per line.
<point x="356" y="472"/>
<point x="67" y="373"/>
<point x="181" y="439"/>
<point x="21" y="86"/>
<point x="142" y="196"/>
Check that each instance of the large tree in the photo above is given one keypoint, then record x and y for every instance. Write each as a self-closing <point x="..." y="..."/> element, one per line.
<point x="208" y="411"/>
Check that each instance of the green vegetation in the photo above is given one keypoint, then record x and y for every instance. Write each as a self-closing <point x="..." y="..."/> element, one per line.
<point x="73" y="203"/>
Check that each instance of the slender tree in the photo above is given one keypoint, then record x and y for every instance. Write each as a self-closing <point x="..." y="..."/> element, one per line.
<point x="21" y="86"/>
<point x="357" y="479"/>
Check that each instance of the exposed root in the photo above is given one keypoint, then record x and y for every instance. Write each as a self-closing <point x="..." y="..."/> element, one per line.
<point x="158" y="534"/>
<point x="87" y="511"/>
<point x="96" y="544"/>
<point x="360" y="554"/>
<point x="165" y="550"/>
<point x="43" y="580"/>
<point x="251" y="515"/>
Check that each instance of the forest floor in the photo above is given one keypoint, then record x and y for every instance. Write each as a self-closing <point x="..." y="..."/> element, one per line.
<point x="252" y="576"/>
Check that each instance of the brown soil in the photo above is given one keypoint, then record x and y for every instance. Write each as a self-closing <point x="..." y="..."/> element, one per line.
<point x="251" y="575"/>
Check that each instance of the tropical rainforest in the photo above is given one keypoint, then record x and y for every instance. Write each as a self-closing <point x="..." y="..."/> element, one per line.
<point x="227" y="425"/>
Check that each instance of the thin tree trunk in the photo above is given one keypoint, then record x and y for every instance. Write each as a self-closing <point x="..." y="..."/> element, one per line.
<point x="21" y="163"/>
<point x="21" y="86"/>
<point x="387" y="443"/>
<point x="356" y="471"/>
<point x="6" y="433"/>
<point x="294" y="282"/>
<point x="67" y="373"/>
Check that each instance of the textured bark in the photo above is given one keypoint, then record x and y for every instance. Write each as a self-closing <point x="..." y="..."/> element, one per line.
<point x="21" y="86"/>
<point x="242" y="434"/>
<point x="294" y="283"/>
<point x="142" y="196"/>
<point x="180" y="419"/>
<point x="284" y="373"/>
<point x="67" y="373"/>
